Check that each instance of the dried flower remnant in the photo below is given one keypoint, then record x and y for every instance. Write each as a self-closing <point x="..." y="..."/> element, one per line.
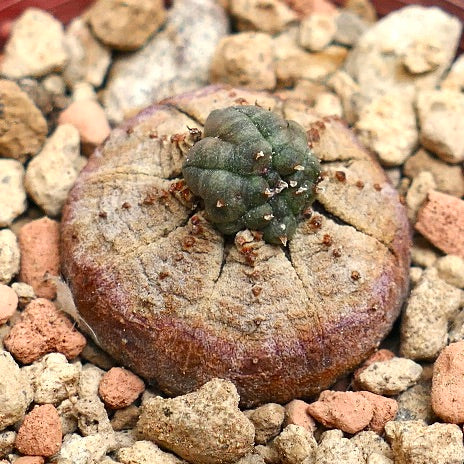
<point x="253" y="170"/>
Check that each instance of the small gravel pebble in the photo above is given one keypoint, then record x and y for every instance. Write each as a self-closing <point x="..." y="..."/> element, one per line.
<point x="390" y="377"/>
<point x="317" y="31"/>
<point x="89" y="118"/>
<point x="8" y="303"/>
<point x="451" y="269"/>
<point x="347" y="411"/>
<point x="9" y="256"/>
<point x="295" y="445"/>
<point x="146" y="452"/>
<point x="333" y="448"/>
<point x="413" y="442"/>
<point x="43" y="329"/>
<point x="448" y="384"/>
<point x="39" y="245"/>
<point x="268" y="420"/>
<point x="119" y="387"/>
<point x="40" y="432"/>
<point x="204" y="427"/>
<point x="35" y="47"/>
<point x="12" y="192"/>
<point x="415" y="404"/>
<point x="296" y="412"/>
<point x="23" y="127"/>
<point x="431" y="305"/>
<point x="51" y="174"/>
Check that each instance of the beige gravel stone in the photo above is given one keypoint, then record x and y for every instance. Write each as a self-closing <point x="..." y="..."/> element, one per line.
<point x="454" y="80"/>
<point x="413" y="442"/>
<point x="363" y="8"/>
<point x="415" y="404"/>
<point x="92" y="417"/>
<point x="350" y="27"/>
<point x="51" y="174"/>
<point x="68" y="416"/>
<point x="391" y="37"/>
<point x="7" y="440"/>
<point x="204" y="427"/>
<point x="380" y="355"/>
<point x="35" y="47"/>
<point x="40" y="432"/>
<point x="146" y="452"/>
<point x="88" y="58"/>
<point x="125" y="418"/>
<point x="456" y="329"/>
<point x="317" y="31"/>
<point x="83" y="450"/>
<point x="272" y="16"/>
<point x="124" y="25"/>
<point x="295" y="445"/>
<point x="424" y="327"/>
<point x="451" y="269"/>
<point x="421" y="185"/>
<point x="387" y="126"/>
<point x="423" y="254"/>
<point x="448" y="178"/>
<point x="89" y="381"/>
<point x="268" y="420"/>
<point x="447" y="394"/>
<point x="8" y="303"/>
<point x="268" y="452"/>
<point x="24" y="292"/>
<point x="334" y="448"/>
<point x="22" y="126"/>
<point x="390" y="377"/>
<point x="370" y="442"/>
<point x="415" y="274"/>
<point x="12" y="193"/>
<point x="441" y="117"/>
<point x="15" y="391"/>
<point x="53" y="378"/>
<point x="39" y="244"/>
<point x="328" y="104"/>
<point x="9" y="256"/>
<point x="120" y="387"/>
<point x="423" y="55"/>
<point x="245" y="59"/>
<point x="348" y="91"/>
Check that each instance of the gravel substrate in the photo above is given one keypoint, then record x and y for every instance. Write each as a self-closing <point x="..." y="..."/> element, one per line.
<point x="398" y="85"/>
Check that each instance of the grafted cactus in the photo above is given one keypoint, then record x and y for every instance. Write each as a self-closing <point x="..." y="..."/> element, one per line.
<point x="254" y="170"/>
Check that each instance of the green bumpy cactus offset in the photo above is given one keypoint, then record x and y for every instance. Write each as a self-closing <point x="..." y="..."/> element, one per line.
<point x="253" y="169"/>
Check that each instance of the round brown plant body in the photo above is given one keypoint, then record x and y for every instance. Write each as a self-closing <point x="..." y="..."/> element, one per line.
<point x="172" y="299"/>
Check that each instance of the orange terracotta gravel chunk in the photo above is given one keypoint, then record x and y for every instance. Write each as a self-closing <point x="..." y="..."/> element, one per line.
<point x="385" y="409"/>
<point x="441" y="221"/>
<point x="29" y="460"/>
<point x="40" y="432"/>
<point x="8" y="303"/>
<point x="119" y="388"/>
<point x="347" y="411"/>
<point x="39" y="246"/>
<point x="43" y="329"/>
<point x="447" y="393"/>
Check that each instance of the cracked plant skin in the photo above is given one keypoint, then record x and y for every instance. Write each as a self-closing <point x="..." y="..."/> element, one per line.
<point x="253" y="169"/>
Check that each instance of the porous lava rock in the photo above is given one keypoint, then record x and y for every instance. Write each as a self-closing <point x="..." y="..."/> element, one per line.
<point x="178" y="303"/>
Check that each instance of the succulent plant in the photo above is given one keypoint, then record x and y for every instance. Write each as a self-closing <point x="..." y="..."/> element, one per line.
<point x="253" y="169"/>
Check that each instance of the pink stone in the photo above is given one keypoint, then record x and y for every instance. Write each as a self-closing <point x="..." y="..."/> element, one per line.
<point x="385" y="409"/>
<point x="39" y="245"/>
<point x="89" y="118"/>
<point x="347" y="411"/>
<point x="43" y="329"/>
<point x="296" y="412"/>
<point x="119" y="388"/>
<point x="441" y="221"/>
<point x="8" y="303"/>
<point x="40" y="432"/>
<point x="447" y="394"/>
